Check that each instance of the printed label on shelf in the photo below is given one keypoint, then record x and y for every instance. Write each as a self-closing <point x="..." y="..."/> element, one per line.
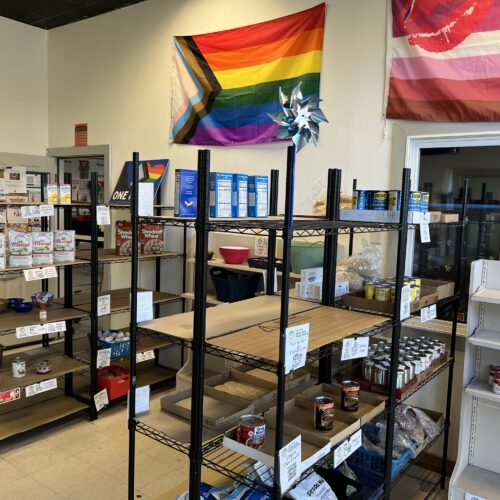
<point x="35" y="211"/>
<point x="40" y="273"/>
<point x="101" y="399"/>
<point x="260" y="246"/>
<point x="347" y="448"/>
<point x="425" y="235"/>
<point x="297" y="340"/>
<point x="146" y="199"/>
<point x="10" y="395"/>
<point x="428" y="313"/>
<point x="103" y="358"/>
<point x="144" y="306"/>
<point x="142" y="400"/>
<point x="32" y="330"/>
<point x="405" y="301"/>
<point x="44" y="386"/>
<point x="103" y="215"/>
<point x="144" y="356"/>
<point x="471" y="496"/>
<point x="290" y="463"/>
<point x="104" y="305"/>
<point x="354" y="348"/>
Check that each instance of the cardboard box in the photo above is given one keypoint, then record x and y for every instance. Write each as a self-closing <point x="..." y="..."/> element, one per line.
<point x="239" y="195"/>
<point x="384" y="216"/>
<point x="444" y="289"/>
<point x="449" y="217"/>
<point x="313" y="275"/>
<point x="220" y="194"/>
<point x="258" y="190"/>
<point x="185" y="196"/>
<point x="434" y="217"/>
<point x="65" y="194"/>
<point x="52" y="193"/>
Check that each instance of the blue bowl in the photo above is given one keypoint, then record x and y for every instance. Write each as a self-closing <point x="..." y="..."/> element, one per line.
<point x="13" y="301"/>
<point x="23" y="307"/>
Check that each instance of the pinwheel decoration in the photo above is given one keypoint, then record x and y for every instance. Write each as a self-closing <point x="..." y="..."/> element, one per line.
<point x="299" y="119"/>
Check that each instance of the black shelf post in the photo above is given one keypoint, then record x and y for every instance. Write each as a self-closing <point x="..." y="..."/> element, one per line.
<point x="271" y="240"/>
<point x="351" y="232"/>
<point x="199" y="324"/>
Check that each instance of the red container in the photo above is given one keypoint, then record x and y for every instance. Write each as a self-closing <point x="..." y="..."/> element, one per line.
<point x="234" y="255"/>
<point x="115" y="379"/>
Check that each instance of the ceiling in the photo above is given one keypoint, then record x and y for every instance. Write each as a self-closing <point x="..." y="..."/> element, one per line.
<point x="49" y="14"/>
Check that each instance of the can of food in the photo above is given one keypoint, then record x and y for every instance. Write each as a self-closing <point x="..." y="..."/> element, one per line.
<point x="494" y="369"/>
<point x="251" y="431"/>
<point x="410" y="367"/>
<point x="360" y="199"/>
<point x="424" y="201"/>
<point x="414" y="202"/>
<point x="392" y="292"/>
<point x="496" y="385"/>
<point x="18" y="367"/>
<point x="423" y="361"/>
<point x="324" y="411"/>
<point x="379" y="200"/>
<point x="383" y="293"/>
<point x="43" y="367"/>
<point x="380" y="375"/>
<point x="394" y="200"/>
<point x="369" y="290"/>
<point x="350" y="395"/>
<point x="400" y="381"/>
<point x="368" y="369"/>
<point x="415" y="361"/>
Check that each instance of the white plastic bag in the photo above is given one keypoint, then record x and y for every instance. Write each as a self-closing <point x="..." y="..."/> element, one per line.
<point x="313" y="487"/>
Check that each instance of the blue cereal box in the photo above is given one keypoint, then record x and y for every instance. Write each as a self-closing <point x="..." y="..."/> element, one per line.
<point x="239" y="200"/>
<point x="258" y="188"/>
<point x="221" y="185"/>
<point x="185" y="195"/>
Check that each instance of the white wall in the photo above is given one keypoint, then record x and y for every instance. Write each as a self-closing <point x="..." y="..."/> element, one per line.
<point x="23" y="88"/>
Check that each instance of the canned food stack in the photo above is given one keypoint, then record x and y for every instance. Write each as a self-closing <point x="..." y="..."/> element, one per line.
<point x="389" y="200"/>
<point x="384" y="290"/>
<point x="494" y="378"/>
<point x="416" y="355"/>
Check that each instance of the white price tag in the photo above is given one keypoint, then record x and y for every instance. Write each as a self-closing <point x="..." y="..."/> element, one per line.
<point x="144" y="356"/>
<point x="428" y="313"/>
<point x="347" y="448"/>
<point x="354" y="348"/>
<point x="405" y="301"/>
<point x="35" y="211"/>
<point x="290" y="463"/>
<point x="101" y="399"/>
<point x="146" y="199"/>
<point x="425" y="235"/>
<point x="142" y="399"/>
<point x="103" y="305"/>
<point x="32" y="330"/>
<point x="297" y="340"/>
<point x="260" y="246"/>
<point x="144" y="306"/>
<point x="49" y="272"/>
<point x="40" y="273"/>
<point x="103" y="358"/>
<point x="55" y="327"/>
<point x="44" y="386"/>
<point x="103" y="215"/>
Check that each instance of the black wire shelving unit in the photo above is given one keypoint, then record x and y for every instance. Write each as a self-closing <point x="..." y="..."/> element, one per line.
<point x="211" y="453"/>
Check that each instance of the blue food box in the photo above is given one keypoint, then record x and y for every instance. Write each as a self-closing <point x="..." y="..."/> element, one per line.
<point x="239" y="200"/>
<point x="185" y="196"/>
<point x="258" y="188"/>
<point x="220" y="194"/>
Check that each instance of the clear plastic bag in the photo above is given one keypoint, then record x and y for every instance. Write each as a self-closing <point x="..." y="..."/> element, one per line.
<point x="354" y="279"/>
<point x="409" y="423"/>
<point x="431" y="428"/>
<point x="319" y="192"/>
<point x="367" y="264"/>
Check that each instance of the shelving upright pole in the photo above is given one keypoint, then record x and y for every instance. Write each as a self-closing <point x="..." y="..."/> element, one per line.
<point x="271" y="240"/>
<point x="285" y="286"/>
<point x="157" y="268"/>
<point x="456" y="304"/>
<point x="199" y="324"/>
<point x="330" y="266"/>
<point x="396" y="329"/>
<point x="134" y="216"/>
<point x="351" y="232"/>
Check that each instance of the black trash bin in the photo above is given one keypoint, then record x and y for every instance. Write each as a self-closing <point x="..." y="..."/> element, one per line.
<point x="231" y="286"/>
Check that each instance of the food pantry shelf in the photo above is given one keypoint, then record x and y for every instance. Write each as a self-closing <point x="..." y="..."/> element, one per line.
<point x="483" y="390"/>
<point x="108" y="256"/>
<point x="485" y="338"/>
<point x="479" y="482"/>
<point x="12" y="270"/>
<point x="211" y="299"/>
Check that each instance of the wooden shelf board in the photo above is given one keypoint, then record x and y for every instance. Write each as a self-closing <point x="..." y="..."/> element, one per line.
<point x="227" y="318"/>
<point x="211" y="299"/>
<point x="480" y="482"/>
<point x="153" y="374"/>
<point x="60" y="366"/>
<point x="108" y="255"/>
<point x="488" y="295"/>
<point x="38" y="414"/>
<point x="76" y="262"/>
<point x="483" y="390"/>
<point x="485" y="338"/>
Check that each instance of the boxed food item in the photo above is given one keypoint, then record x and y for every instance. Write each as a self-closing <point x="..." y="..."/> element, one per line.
<point x="258" y="196"/>
<point x="52" y="193"/>
<point x="64" y="240"/>
<point x="65" y="194"/>
<point x="64" y="255"/>
<point x="14" y="216"/>
<point x="151" y="238"/>
<point x="434" y="217"/>
<point x="220" y="194"/>
<point x="43" y="242"/>
<point x="449" y="217"/>
<point x="239" y="199"/>
<point x="20" y="243"/>
<point x="20" y="260"/>
<point x="123" y="238"/>
<point x="42" y="259"/>
<point x="2" y="244"/>
<point x="185" y="197"/>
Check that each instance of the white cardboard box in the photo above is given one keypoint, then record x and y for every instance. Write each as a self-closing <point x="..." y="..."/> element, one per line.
<point x="387" y="216"/>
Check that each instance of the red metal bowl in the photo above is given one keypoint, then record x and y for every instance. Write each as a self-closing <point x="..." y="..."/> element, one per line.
<point x="234" y="255"/>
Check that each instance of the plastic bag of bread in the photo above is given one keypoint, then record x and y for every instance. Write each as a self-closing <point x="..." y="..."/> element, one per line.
<point x="354" y="279"/>
<point x="367" y="264"/>
<point x="319" y="198"/>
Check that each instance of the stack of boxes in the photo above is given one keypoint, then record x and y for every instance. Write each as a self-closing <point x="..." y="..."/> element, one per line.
<point x="310" y="285"/>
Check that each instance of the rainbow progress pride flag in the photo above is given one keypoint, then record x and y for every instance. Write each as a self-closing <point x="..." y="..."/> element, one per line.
<point x="226" y="83"/>
<point x="444" y="60"/>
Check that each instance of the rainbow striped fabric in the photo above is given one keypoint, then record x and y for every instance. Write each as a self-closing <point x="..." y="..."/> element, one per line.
<point x="444" y="60"/>
<point x="226" y="83"/>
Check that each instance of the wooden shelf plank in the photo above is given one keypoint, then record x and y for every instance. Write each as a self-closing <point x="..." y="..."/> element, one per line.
<point x="479" y="482"/>
<point x="488" y="295"/>
<point x="483" y="390"/>
<point x="76" y="262"/>
<point x="108" y="256"/>
<point x="41" y="413"/>
<point x="211" y="299"/>
<point x="486" y="338"/>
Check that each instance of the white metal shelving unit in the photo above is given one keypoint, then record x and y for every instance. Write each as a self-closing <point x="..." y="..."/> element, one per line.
<point x="477" y="471"/>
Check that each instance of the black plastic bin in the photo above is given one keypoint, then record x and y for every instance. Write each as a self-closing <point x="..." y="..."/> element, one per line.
<point x="231" y="286"/>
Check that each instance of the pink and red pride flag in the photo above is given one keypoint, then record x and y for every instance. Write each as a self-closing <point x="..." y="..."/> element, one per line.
<point x="444" y="61"/>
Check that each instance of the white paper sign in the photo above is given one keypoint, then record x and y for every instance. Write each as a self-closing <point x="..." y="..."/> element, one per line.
<point x="142" y="399"/>
<point x="428" y="313"/>
<point x="32" y="330"/>
<point x="146" y="199"/>
<point x="290" y="463"/>
<point x="347" y="448"/>
<point x="260" y="246"/>
<point x="36" y="211"/>
<point x="103" y="305"/>
<point x="144" y="356"/>
<point x="103" y="357"/>
<point x="44" y="386"/>
<point x="471" y="496"/>
<point x="405" y="301"/>
<point x="101" y="399"/>
<point x="297" y="340"/>
<point x="40" y="273"/>
<point x="425" y="235"/>
<point x="144" y="306"/>
<point x="103" y="215"/>
<point x="354" y="348"/>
